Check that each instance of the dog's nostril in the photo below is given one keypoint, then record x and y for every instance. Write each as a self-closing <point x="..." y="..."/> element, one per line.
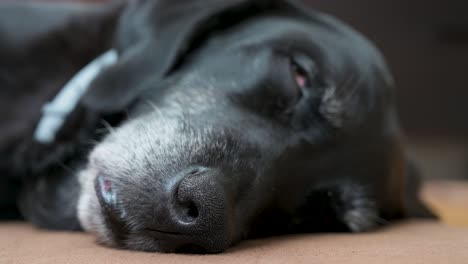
<point x="192" y="211"/>
<point x="189" y="212"/>
<point x="188" y="209"/>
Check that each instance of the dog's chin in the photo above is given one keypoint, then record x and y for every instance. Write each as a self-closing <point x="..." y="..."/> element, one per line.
<point x="89" y="210"/>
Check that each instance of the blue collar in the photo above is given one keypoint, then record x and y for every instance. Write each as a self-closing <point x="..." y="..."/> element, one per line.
<point x="56" y="112"/>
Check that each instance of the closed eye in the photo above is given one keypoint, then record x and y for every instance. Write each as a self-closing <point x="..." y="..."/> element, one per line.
<point x="305" y="74"/>
<point x="300" y="77"/>
<point x="305" y="82"/>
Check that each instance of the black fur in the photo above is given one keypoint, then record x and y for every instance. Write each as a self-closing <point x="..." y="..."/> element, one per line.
<point x="199" y="136"/>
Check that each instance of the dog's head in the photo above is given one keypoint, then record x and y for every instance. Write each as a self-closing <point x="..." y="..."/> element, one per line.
<point x="237" y="109"/>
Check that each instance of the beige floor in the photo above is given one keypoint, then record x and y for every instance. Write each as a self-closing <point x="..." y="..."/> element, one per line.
<point x="410" y="242"/>
<point x="450" y="200"/>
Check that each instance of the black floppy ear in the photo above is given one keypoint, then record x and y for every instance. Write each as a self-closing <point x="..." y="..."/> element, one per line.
<point x="154" y="37"/>
<point x="405" y="184"/>
<point x="413" y="204"/>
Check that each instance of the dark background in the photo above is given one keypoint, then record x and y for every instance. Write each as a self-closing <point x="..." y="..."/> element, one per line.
<point x="426" y="45"/>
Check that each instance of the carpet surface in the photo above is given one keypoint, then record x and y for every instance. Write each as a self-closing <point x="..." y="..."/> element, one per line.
<point x="408" y="242"/>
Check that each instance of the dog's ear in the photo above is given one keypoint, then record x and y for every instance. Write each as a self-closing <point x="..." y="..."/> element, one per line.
<point x="405" y="183"/>
<point x="413" y="204"/>
<point x="153" y="39"/>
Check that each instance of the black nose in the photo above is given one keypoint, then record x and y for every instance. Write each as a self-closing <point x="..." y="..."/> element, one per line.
<point x="196" y="215"/>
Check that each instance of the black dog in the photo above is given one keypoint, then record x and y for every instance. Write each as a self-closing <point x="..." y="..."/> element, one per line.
<point x="220" y="120"/>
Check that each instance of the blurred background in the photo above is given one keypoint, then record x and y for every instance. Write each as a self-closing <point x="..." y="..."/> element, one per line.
<point x="426" y="44"/>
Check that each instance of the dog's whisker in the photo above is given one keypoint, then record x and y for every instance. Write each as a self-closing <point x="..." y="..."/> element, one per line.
<point x="67" y="168"/>
<point x="347" y="86"/>
<point x="381" y="221"/>
<point x="108" y="126"/>
<point x="154" y="107"/>
<point x="92" y="142"/>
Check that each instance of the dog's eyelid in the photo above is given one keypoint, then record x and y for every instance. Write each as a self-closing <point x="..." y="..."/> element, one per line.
<point x="306" y="64"/>
<point x="304" y="73"/>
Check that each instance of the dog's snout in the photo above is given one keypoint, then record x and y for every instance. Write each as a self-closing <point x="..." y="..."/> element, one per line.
<point x="191" y="214"/>
<point x="196" y="214"/>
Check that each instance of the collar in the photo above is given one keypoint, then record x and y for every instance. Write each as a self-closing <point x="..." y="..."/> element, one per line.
<point x="55" y="113"/>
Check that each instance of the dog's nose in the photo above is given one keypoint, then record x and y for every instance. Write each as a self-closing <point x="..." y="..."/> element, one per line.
<point x="191" y="215"/>
<point x="197" y="216"/>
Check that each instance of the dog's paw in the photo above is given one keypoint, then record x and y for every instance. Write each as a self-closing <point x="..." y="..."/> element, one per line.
<point x="342" y="206"/>
<point x="355" y="207"/>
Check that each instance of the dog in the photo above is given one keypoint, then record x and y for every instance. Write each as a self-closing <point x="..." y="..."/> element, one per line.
<point x="208" y="122"/>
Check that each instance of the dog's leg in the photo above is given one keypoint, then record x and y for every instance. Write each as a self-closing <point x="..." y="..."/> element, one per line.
<point x="354" y="206"/>
<point x="50" y="201"/>
<point x="414" y="207"/>
<point x="338" y="207"/>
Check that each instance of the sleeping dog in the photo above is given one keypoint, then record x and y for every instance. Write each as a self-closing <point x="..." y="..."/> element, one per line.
<point x="187" y="126"/>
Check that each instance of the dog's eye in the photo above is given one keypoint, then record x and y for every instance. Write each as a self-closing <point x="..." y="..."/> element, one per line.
<point x="300" y="76"/>
<point x="305" y="74"/>
<point x="304" y="71"/>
